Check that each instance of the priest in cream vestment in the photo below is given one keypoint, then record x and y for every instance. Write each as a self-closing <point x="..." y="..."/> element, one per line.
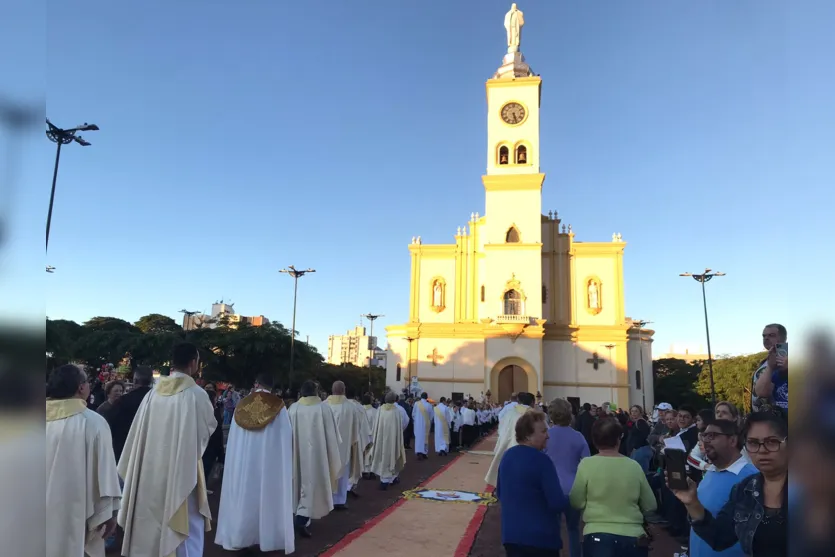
<point x="256" y="500"/>
<point x="365" y="433"/>
<point x="165" y="511"/>
<point x="507" y="434"/>
<point x="443" y="417"/>
<point x="422" y="414"/>
<point x="350" y="420"/>
<point x="388" y="453"/>
<point x="371" y="419"/>
<point x="82" y="486"/>
<point x="316" y="460"/>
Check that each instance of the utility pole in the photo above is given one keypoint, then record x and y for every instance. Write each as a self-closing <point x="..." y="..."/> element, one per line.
<point x="641" y="324"/>
<point x="372" y="318"/>
<point x="293" y="272"/>
<point x="62" y="137"/>
<point x="702" y="278"/>
<point x="408" y="379"/>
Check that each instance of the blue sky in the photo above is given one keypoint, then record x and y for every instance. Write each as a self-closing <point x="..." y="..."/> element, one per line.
<point x="240" y="137"/>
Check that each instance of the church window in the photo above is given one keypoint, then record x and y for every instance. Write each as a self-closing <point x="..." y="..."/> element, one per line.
<point x="398" y="372"/>
<point x="512" y="236"/>
<point x="482" y="292"/>
<point x="544" y="294"/>
<point x="521" y="155"/>
<point x="504" y="155"/>
<point x="638" y="379"/>
<point x="512" y="303"/>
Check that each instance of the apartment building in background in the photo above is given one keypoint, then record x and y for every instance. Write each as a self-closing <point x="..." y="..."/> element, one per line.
<point x="355" y="347"/>
<point x="221" y="310"/>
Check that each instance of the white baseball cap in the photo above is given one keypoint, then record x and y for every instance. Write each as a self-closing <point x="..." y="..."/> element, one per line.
<point x="664" y="406"/>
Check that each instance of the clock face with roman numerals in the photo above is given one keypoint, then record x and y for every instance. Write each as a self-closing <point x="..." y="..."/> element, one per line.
<point x="513" y="113"/>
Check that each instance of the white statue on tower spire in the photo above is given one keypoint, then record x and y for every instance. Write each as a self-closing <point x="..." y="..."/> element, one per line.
<point x="513" y="22"/>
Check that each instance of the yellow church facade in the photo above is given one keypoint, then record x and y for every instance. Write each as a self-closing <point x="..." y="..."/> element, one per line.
<point x="517" y="303"/>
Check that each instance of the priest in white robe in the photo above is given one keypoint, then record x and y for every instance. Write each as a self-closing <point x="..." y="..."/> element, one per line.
<point x="352" y="443"/>
<point x="165" y="511"/>
<point x="507" y="434"/>
<point x="256" y="499"/>
<point x="509" y="406"/>
<point x="388" y="454"/>
<point x="371" y="419"/>
<point x="422" y="419"/>
<point x="365" y="433"/>
<point x="82" y="487"/>
<point x="316" y="460"/>
<point x="442" y="417"/>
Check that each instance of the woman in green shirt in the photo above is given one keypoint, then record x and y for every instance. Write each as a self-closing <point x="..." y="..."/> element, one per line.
<point x="613" y="493"/>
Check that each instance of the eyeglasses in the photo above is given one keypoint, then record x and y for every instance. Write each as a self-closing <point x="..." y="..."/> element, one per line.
<point x="710" y="436"/>
<point x="772" y="444"/>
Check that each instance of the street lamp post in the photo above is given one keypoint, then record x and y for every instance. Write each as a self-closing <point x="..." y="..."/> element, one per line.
<point x="62" y="137"/>
<point x="641" y="324"/>
<point x="703" y="278"/>
<point x="295" y="273"/>
<point x="371" y="317"/>
<point x="408" y="378"/>
<point x="187" y="318"/>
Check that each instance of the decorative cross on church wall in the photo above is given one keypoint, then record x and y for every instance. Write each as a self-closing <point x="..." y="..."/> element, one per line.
<point x="595" y="360"/>
<point x="434" y="357"/>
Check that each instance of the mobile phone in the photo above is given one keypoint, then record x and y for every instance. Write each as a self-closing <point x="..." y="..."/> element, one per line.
<point x="676" y="463"/>
<point x="782" y="349"/>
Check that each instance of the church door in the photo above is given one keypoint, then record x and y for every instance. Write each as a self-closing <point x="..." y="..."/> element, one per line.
<point x="512" y="379"/>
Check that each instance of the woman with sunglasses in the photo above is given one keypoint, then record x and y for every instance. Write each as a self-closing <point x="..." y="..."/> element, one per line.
<point x="756" y="514"/>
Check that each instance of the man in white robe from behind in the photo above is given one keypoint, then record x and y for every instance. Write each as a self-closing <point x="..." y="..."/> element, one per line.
<point x="371" y="419"/>
<point x="388" y="454"/>
<point x="352" y="442"/>
<point x="509" y="406"/>
<point x="365" y="433"/>
<point x="507" y="434"/>
<point x="422" y="419"/>
<point x="442" y="417"/>
<point x="316" y="461"/>
<point x="256" y="499"/>
<point x="82" y="486"/>
<point x="165" y="509"/>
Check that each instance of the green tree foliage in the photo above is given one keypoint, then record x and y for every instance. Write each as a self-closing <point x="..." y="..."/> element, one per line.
<point x="157" y="323"/>
<point x="232" y="353"/>
<point x="732" y="379"/>
<point x="676" y="381"/>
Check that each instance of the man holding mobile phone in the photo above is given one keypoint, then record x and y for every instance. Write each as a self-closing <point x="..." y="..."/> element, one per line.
<point x="773" y="380"/>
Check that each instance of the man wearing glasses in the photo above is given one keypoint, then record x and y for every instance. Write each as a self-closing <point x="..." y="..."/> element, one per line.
<point x="722" y="448"/>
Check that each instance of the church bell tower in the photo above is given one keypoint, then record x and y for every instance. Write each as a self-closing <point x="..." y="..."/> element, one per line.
<point x="513" y="182"/>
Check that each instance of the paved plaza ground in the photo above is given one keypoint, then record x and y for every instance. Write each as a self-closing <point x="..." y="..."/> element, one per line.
<point x="384" y="522"/>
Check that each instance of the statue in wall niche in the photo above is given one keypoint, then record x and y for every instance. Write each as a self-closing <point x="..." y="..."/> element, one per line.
<point x="594" y="295"/>
<point x="438" y="295"/>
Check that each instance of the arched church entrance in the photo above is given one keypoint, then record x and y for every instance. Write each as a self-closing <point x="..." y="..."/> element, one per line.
<point x="512" y="379"/>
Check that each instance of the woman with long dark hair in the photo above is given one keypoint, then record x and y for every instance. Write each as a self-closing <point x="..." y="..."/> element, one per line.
<point x="756" y="514"/>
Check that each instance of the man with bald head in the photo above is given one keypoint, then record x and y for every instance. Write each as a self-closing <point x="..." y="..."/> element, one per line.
<point x="352" y="443"/>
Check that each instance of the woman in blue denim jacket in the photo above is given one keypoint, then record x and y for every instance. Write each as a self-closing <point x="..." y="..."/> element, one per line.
<point x="756" y="514"/>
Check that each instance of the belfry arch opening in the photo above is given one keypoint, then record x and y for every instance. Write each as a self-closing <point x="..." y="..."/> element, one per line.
<point x="504" y="155"/>
<point x="521" y="154"/>
<point x="512" y="236"/>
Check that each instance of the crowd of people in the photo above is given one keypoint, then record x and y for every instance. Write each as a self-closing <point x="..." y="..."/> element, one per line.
<point x="612" y="470"/>
<point x="143" y="460"/>
<point x="149" y="449"/>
